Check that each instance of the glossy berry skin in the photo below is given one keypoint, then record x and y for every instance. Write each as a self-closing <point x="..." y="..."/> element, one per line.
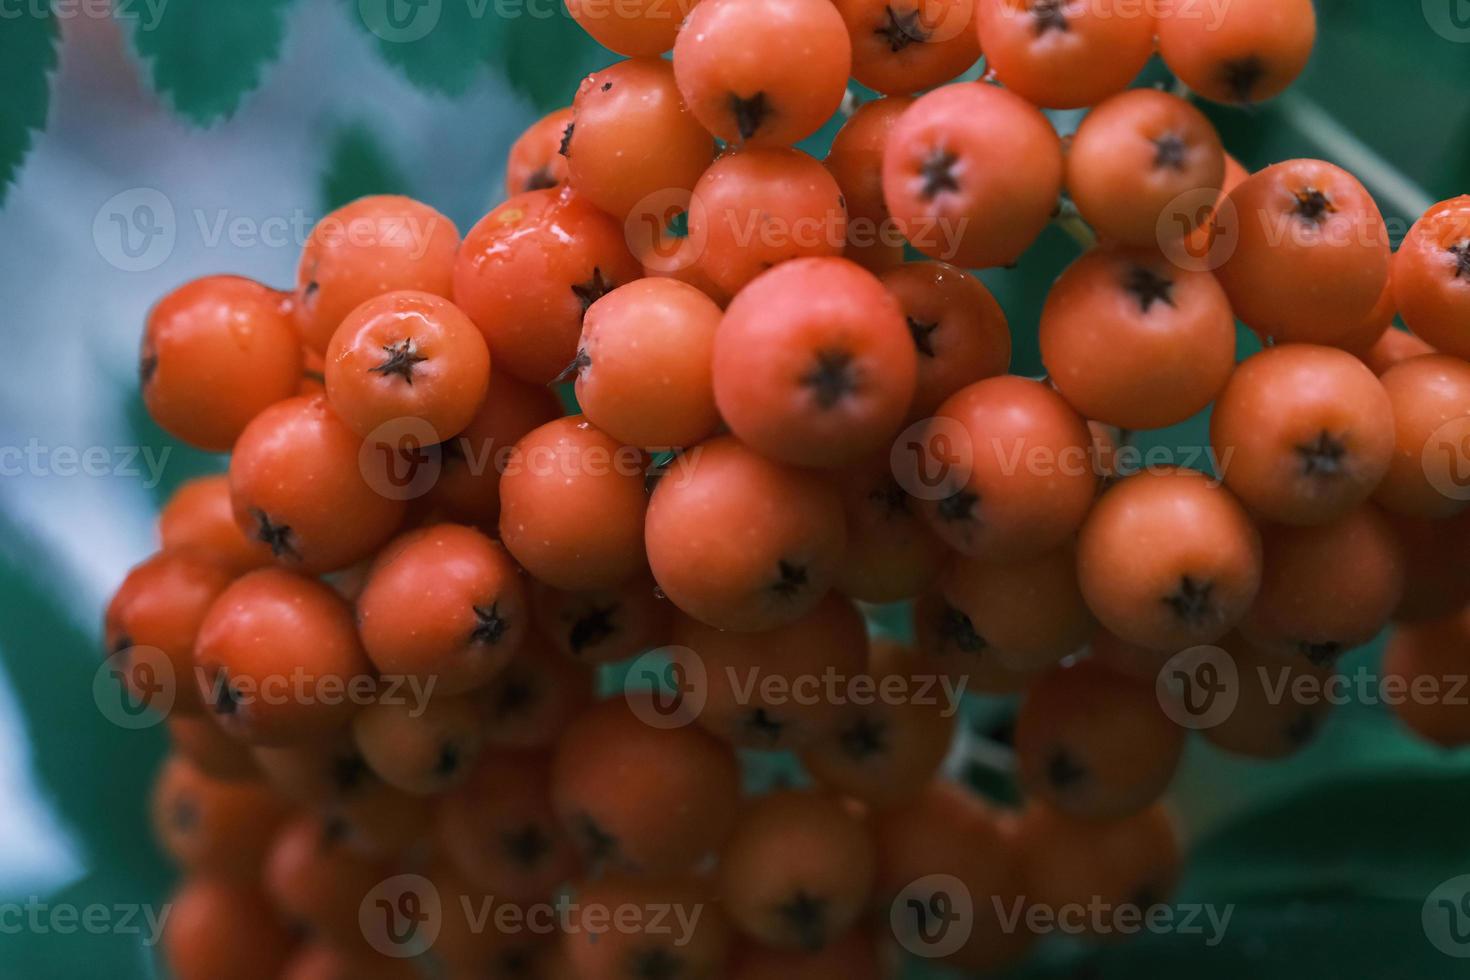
<point x="831" y="640"/>
<point x="639" y="798"/>
<point x="572" y="503"/>
<point x="759" y="207"/>
<point x="300" y="483"/>
<point x="972" y="175"/>
<point x="908" y="46"/>
<point x="723" y="63"/>
<point x="1029" y="613"/>
<point x="372" y="246"/>
<point x="1247" y="52"/>
<point x="1030" y="480"/>
<point x="951" y="647"/>
<point x="445" y="603"/>
<point x="315" y="878"/>
<point x="1263" y="723"/>
<point x="199" y="518"/>
<point x="644" y="374"/>
<point x="605" y="625"/>
<point x="217" y="352"/>
<point x="632" y="953"/>
<point x="1391" y="347"/>
<point x="631" y="137"/>
<point x="1094" y="743"/>
<point x="1326" y="589"/>
<point x="1431" y="277"/>
<point x="1167" y="560"/>
<point x="1133" y="158"/>
<point x="422" y="747"/>
<point x="958" y="328"/>
<point x="1430" y="653"/>
<point x="856" y="161"/>
<point x="1065" y="55"/>
<point x="527" y="273"/>
<point x="535" y="162"/>
<point x="798" y="870"/>
<point x="211" y="827"/>
<point x="406" y="355"/>
<point x="891" y="553"/>
<point x="222" y="930"/>
<point x="160" y="606"/>
<point x="1430" y="396"/>
<point x="634" y="29"/>
<point x="279" y="659"/>
<point x="1308" y="431"/>
<point x="814" y="365"/>
<point x="1311" y="257"/>
<point x="1132" y="340"/>
<point x="743" y="543"/>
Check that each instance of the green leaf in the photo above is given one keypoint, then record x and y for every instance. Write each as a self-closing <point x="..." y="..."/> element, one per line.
<point x="549" y="82"/>
<point x="439" y="45"/>
<point x="27" y="57"/>
<point x="205" y="56"/>
<point x="358" y="165"/>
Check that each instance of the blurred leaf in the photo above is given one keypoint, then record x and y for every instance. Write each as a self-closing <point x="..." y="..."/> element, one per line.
<point x="27" y="57"/>
<point x="550" y="82"/>
<point x="358" y="165"/>
<point x="206" y="55"/>
<point x="439" y="45"/>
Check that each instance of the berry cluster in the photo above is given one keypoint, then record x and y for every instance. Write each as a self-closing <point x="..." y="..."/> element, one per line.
<point x="385" y="625"/>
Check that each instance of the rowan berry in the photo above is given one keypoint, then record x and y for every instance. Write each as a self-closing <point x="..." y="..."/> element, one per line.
<point x="223" y="930"/>
<point x="1065" y="54"/>
<point x="1267" y="717"/>
<point x="1391" y="347"/>
<point x="528" y="271"/>
<point x="1430" y="399"/>
<point x="572" y="503"/>
<point x="972" y="174"/>
<point x="499" y="831"/>
<point x="640" y="27"/>
<point x="631" y="138"/>
<point x="419" y="747"/>
<point x="381" y="822"/>
<point x="1132" y="340"/>
<point x="889" y="742"/>
<point x="1436" y="576"/>
<point x="1168" y="560"/>
<point x="1128" y="659"/>
<point x="199" y="518"/>
<point x="856" y="162"/>
<point x="315" y="774"/>
<point x="1132" y="160"/>
<point x="756" y="208"/>
<point x="529" y="703"/>
<point x="318" y="882"/>
<point x="743" y="543"/>
<point x="212" y="827"/>
<point x="1029" y="612"/>
<point x="691" y="941"/>
<point x="950" y="645"/>
<point x="1431" y="276"/>
<point x="891" y="553"/>
<point x="1311" y="252"/>
<point x="279" y="660"/>
<point x="444" y="604"/>
<point x="643" y="364"/>
<point x="814" y="365"/>
<point x="1247" y="52"/>
<point x="730" y="81"/>
<point x="798" y="870"/>
<point x="903" y="46"/>
<point x="602" y="626"/>
<point x="1303" y="434"/>
<point x="304" y="484"/>
<point x="372" y="246"/>
<point x="206" y="746"/>
<point x="765" y="690"/>
<point x="1427" y="662"/>
<point x="1367" y="331"/>
<point x="406" y="355"/>
<point x="161" y="605"/>
<point x="535" y="162"/>
<point x="1030" y="480"/>
<point x="958" y="329"/>
<point x="317" y="960"/>
<point x="853" y="957"/>
<point x="472" y="943"/>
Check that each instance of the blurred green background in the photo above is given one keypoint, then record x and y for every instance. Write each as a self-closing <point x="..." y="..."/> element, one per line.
<point x="254" y="114"/>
